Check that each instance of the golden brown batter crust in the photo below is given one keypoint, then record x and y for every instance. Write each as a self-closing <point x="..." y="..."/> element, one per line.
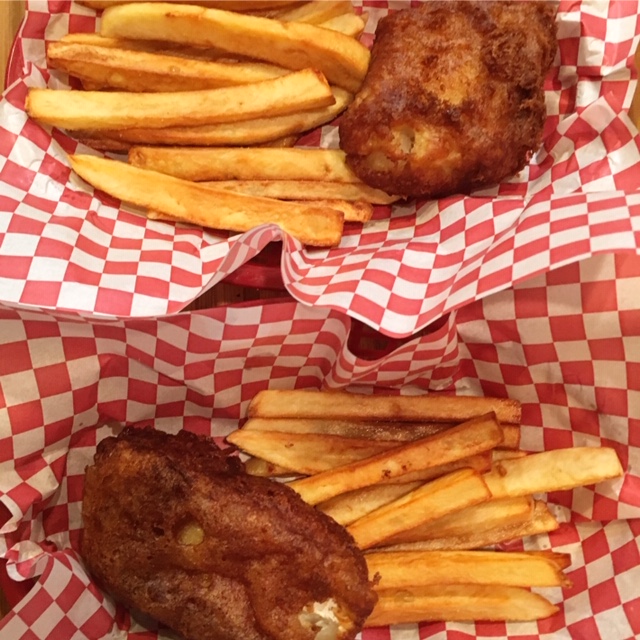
<point x="453" y="99"/>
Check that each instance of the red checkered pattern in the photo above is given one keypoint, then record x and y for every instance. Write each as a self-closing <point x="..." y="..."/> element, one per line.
<point x="68" y="248"/>
<point x="566" y="344"/>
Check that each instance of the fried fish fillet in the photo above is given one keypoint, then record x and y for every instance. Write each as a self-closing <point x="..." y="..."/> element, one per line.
<point x="175" y="528"/>
<point x="453" y="99"/>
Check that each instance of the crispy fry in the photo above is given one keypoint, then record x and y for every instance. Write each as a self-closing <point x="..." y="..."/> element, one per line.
<point x="349" y="24"/>
<point x="458" y="603"/>
<point x="470" y="438"/>
<point x="245" y="164"/>
<point x="120" y="110"/>
<point x="349" y="507"/>
<point x="141" y="71"/>
<point x="400" y="569"/>
<point x="264" y="469"/>
<point x="541" y="520"/>
<point x="294" y="45"/>
<point x="193" y="203"/>
<point x="243" y="133"/>
<point x="352" y="211"/>
<point x="553" y="471"/>
<point x="316" y="11"/>
<point x="351" y="406"/>
<point x="306" y="190"/>
<point x="433" y="500"/>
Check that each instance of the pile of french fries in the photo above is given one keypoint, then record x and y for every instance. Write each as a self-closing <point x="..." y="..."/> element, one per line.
<point x="425" y="484"/>
<point x="192" y="83"/>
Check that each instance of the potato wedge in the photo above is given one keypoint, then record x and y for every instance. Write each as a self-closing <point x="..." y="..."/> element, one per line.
<point x="121" y="110"/>
<point x="553" y="471"/>
<point x="302" y="403"/>
<point x="294" y="45"/>
<point x="458" y="603"/>
<point x="468" y="439"/>
<point x="244" y="133"/>
<point x="245" y="164"/>
<point x="203" y="206"/>
<point x="408" y="569"/>
<point x="432" y="500"/>
<point x="141" y="71"/>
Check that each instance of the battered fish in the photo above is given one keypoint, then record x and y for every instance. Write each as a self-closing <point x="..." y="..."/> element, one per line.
<point x="175" y="528"/>
<point x="453" y="100"/>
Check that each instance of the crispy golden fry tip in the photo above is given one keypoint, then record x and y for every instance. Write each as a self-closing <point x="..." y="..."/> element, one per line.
<point x="433" y="500"/>
<point x="190" y="202"/>
<point x="458" y="603"/>
<point x="302" y="90"/>
<point x="554" y="470"/>
<point x="140" y="71"/>
<point x="349" y="24"/>
<point x="248" y="132"/>
<point x="399" y="569"/>
<point x="467" y="439"/>
<point x="352" y="406"/>
<point x="294" y="45"/>
<point x="193" y="163"/>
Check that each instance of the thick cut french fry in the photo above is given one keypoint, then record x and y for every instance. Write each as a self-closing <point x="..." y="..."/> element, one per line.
<point x="204" y="206"/>
<point x="349" y="24"/>
<point x="458" y="603"/>
<point x="349" y="507"/>
<point x="245" y="164"/>
<point x="553" y="471"/>
<point x="228" y="5"/>
<point x="275" y="403"/>
<point x="265" y="469"/>
<point x="306" y="190"/>
<point x="120" y="110"/>
<point x="294" y="45"/>
<point x="244" y="133"/>
<point x="468" y="439"/>
<point x="541" y="520"/>
<point x="399" y="569"/>
<point x="497" y="512"/>
<point x="506" y="454"/>
<point x="435" y="499"/>
<point x="316" y="11"/>
<point x="141" y="71"/>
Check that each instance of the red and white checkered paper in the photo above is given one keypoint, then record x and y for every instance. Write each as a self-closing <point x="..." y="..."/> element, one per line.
<point x="65" y="247"/>
<point x="566" y="344"/>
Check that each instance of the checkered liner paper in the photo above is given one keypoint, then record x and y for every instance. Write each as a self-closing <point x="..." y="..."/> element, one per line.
<point x="566" y="344"/>
<point x="68" y="248"/>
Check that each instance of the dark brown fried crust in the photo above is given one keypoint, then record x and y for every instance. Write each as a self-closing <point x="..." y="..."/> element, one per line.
<point x="265" y="553"/>
<point x="453" y="100"/>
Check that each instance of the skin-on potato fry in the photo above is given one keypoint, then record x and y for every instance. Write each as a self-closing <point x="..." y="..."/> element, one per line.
<point x="399" y="569"/>
<point x="141" y="71"/>
<point x="245" y="164"/>
<point x="294" y="45"/>
<point x="553" y="471"/>
<point x="433" y="500"/>
<point x="244" y="133"/>
<point x="300" y="403"/>
<point x="540" y="520"/>
<point x="306" y="190"/>
<point x="468" y="439"/>
<point x="190" y="202"/>
<point x="302" y="90"/>
<point x="458" y="603"/>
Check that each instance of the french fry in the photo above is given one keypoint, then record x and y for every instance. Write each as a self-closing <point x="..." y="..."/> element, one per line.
<point x="246" y="164"/>
<point x="349" y="507"/>
<point x="294" y="45"/>
<point x="409" y="569"/>
<point x="140" y="71"/>
<point x="244" y="133"/>
<point x="541" y="520"/>
<point x="497" y="512"/>
<point x="229" y="5"/>
<point x="316" y="11"/>
<point x="342" y="405"/>
<point x="349" y="24"/>
<point x="468" y="439"/>
<point x="433" y="500"/>
<point x="306" y="190"/>
<point x="265" y="469"/>
<point x="553" y="471"/>
<point x="193" y="203"/>
<point x="506" y="454"/>
<point x="302" y="90"/>
<point x="282" y="143"/>
<point x="458" y="603"/>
